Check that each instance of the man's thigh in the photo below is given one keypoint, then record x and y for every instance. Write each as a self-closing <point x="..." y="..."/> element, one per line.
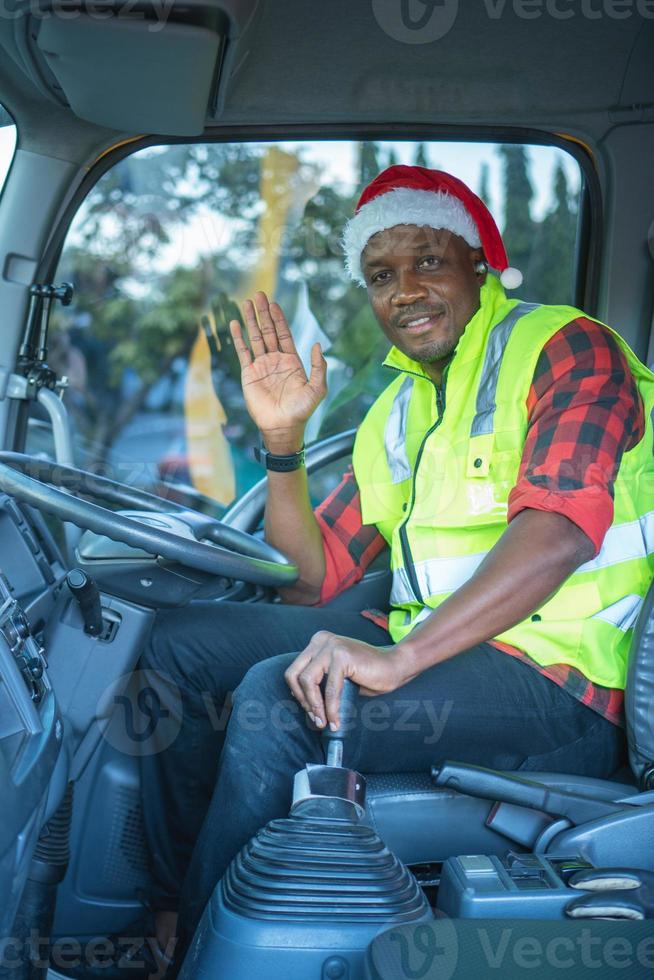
<point x="483" y="707"/>
<point x="208" y="647"/>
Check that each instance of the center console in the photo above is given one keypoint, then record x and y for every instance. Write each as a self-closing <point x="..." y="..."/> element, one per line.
<point x="518" y="886"/>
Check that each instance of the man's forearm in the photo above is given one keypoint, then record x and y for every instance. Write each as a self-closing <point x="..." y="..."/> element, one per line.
<point x="290" y="524"/>
<point x="535" y="555"/>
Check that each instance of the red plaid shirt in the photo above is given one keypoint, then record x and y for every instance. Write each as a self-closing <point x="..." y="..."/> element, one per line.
<point x="585" y="411"/>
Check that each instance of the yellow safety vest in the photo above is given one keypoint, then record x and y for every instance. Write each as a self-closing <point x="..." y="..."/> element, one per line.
<point x="435" y="466"/>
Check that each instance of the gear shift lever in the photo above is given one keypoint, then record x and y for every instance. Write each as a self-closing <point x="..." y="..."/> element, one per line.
<point x="333" y="741"/>
<point x="330" y="790"/>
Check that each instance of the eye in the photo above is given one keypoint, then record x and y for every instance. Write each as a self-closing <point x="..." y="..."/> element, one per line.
<point x="429" y="262"/>
<point x="380" y="278"/>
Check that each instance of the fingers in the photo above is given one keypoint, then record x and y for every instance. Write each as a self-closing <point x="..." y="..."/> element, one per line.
<point x="305" y="675"/>
<point x="252" y="327"/>
<point x="241" y="348"/>
<point x="318" y="375"/>
<point x="284" y="336"/>
<point x="333" y="692"/>
<point x="310" y="679"/>
<point x="268" y="331"/>
<point x="291" y="677"/>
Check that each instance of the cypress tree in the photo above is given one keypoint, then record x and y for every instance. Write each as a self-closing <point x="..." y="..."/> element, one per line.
<point x="553" y="262"/>
<point x="484" y="188"/>
<point x="420" y="159"/>
<point x="519" y="228"/>
<point x="368" y="162"/>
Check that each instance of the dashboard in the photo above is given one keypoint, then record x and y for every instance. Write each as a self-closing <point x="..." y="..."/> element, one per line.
<point x="52" y="677"/>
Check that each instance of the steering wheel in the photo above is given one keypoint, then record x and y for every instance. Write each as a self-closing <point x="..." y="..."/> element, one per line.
<point x="178" y="535"/>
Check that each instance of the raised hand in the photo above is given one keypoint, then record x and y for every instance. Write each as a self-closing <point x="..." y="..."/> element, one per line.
<point x="278" y="394"/>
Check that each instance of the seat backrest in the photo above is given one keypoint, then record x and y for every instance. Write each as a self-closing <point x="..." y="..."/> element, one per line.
<point x="639" y="695"/>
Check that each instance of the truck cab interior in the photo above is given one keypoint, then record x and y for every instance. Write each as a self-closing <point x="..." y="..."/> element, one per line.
<point x="169" y="159"/>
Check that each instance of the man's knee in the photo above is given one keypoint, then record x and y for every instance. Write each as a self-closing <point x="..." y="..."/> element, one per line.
<point x="263" y="702"/>
<point x="160" y="652"/>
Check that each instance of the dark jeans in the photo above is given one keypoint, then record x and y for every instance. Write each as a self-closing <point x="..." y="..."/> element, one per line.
<point x="482" y="706"/>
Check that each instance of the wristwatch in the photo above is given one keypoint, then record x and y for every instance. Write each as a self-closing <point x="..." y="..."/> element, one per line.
<point x="279" y="464"/>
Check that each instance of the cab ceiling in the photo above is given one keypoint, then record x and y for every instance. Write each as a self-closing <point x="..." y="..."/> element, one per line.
<point x="501" y="63"/>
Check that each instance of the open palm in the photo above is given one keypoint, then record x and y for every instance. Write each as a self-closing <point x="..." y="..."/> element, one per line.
<point x="278" y="394"/>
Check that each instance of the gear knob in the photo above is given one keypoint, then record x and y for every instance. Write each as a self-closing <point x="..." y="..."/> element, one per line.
<point x="333" y="741"/>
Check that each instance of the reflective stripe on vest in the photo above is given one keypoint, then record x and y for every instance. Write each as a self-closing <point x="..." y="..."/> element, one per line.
<point x="624" y="542"/>
<point x="437" y="576"/>
<point x="395" y="433"/>
<point x="622" y="613"/>
<point x="482" y="424"/>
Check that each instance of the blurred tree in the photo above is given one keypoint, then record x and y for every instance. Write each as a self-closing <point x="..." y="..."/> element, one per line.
<point x="484" y="185"/>
<point x="519" y="228"/>
<point x="369" y="165"/>
<point x="552" y="266"/>
<point x="420" y="159"/>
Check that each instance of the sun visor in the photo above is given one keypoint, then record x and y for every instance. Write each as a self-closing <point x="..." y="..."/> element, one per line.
<point x="135" y="74"/>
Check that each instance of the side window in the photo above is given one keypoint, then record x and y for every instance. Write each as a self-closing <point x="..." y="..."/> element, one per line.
<point x="7" y="144"/>
<point x="173" y="238"/>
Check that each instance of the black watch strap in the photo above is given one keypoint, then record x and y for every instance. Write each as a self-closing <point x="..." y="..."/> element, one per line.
<point x="279" y="464"/>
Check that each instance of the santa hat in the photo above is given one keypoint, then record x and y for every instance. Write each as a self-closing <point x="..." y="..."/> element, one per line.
<point x="403" y="195"/>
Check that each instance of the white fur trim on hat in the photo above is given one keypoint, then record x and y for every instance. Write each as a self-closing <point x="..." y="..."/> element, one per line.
<point x="404" y="206"/>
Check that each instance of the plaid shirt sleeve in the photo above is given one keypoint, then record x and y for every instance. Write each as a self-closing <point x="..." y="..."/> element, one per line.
<point x="349" y="544"/>
<point x="585" y="411"/>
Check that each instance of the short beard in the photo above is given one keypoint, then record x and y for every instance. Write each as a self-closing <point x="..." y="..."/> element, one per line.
<point x="432" y="353"/>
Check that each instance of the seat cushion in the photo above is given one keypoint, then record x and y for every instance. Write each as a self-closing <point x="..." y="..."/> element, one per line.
<point x="423" y="823"/>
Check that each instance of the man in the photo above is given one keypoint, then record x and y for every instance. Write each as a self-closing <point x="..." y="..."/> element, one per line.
<point x="506" y="465"/>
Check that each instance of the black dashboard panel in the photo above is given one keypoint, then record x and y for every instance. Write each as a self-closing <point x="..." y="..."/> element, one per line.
<point x="30" y="560"/>
<point x="31" y="739"/>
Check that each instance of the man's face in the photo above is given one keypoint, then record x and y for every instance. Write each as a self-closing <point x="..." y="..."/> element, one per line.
<point x="423" y="289"/>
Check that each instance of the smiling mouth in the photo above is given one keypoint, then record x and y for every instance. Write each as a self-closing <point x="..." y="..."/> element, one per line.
<point x="420" y="324"/>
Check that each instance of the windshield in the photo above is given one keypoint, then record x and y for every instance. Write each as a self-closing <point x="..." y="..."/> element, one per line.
<point x="173" y="238"/>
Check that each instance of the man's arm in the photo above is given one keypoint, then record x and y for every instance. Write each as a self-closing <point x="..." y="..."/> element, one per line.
<point x="280" y="399"/>
<point x="533" y="558"/>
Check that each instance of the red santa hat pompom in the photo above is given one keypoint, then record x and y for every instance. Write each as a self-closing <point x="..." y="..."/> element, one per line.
<point x="402" y="195"/>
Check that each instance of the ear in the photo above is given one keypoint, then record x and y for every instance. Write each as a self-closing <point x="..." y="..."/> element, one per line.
<point x="479" y="264"/>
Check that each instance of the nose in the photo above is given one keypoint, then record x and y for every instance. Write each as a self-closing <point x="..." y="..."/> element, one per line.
<point x="408" y="288"/>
